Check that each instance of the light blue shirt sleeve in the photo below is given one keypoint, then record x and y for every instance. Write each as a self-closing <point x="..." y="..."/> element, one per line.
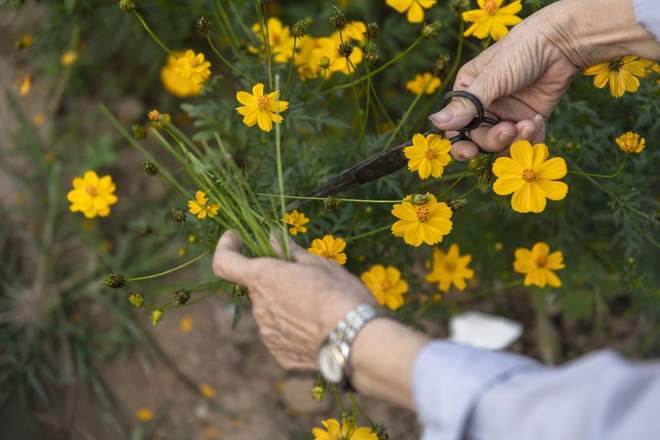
<point x="464" y="393"/>
<point x="647" y="13"/>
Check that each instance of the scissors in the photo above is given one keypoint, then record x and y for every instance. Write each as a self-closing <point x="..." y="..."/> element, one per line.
<point x="388" y="161"/>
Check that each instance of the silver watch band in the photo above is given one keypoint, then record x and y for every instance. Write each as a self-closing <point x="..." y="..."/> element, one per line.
<point x="342" y="336"/>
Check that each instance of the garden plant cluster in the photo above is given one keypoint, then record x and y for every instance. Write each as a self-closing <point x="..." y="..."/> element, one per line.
<point x="256" y="104"/>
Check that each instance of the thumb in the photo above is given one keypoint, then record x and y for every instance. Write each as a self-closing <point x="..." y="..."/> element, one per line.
<point x="461" y="111"/>
<point x="228" y="262"/>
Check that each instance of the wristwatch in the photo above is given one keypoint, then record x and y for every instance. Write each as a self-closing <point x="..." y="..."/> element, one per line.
<point x="333" y="355"/>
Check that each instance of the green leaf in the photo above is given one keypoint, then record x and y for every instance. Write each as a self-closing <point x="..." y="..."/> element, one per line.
<point x="578" y="304"/>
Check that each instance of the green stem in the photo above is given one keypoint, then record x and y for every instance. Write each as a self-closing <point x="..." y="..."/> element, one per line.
<point x="144" y="24"/>
<point x="227" y="62"/>
<point x="602" y="176"/>
<point x="454" y="184"/>
<point x="366" y="234"/>
<point x="341" y="405"/>
<point x="227" y="22"/>
<point x="149" y="277"/>
<point x="363" y="121"/>
<point x="380" y="69"/>
<point x="484" y="292"/>
<point x="288" y="79"/>
<point x="366" y="417"/>
<point x="280" y="175"/>
<point x="325" y="198"/>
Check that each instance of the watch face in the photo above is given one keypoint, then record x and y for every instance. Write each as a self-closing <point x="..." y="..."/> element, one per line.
<point x="331" y="364"/>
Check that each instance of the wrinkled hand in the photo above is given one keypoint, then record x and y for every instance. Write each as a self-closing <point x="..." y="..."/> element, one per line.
<point x="519" y="80"/>
<point x="296" y="304"/>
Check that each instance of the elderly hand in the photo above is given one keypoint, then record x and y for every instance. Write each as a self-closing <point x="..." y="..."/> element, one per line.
<point x="297" y="303"/>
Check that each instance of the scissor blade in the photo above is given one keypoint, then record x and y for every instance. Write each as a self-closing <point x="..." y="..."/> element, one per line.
<point x="379" y="165"/>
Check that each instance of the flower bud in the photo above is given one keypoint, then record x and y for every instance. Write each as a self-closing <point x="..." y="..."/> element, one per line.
<point x="24" y="42"/>
<point x="240" y="291"/>
<point x="431" y="30"/>
<point x="126" y="5"/>
<point x="157" y="316"/>
<point x="153" y="115"/>
<point x="479" y="162"/>
<point x="179" y="216"/>
<point x="332" y="203"/>
<point x="345" y="49"/>
<point x="135" y="299"/>
<point x="347" y="417"/>
<point x="162" y="120"/>
<point x="418" y="199"/>
<point x="113" y="280"/>
<point x="298" y="29"/>
<point x="203" y="26"/>
<point x="150" y="168"/>
<point x="459" y="6"/>
<point x="181" y="297"/>
<point x="372" y="31"/>
<point x="441" y="65"/>
<point x="484" y="177"/>
<point x="324" y="63"/>
<point x="145" y="230"/>
<point x="192" y="239"/>
<point x="338" y="20"/>
<point x="318" y="391"/>
<point x="370" y="55"/>
<point x="381" y="432"/>
<point x="457" y="204"/>
<point x="138" y="131"/>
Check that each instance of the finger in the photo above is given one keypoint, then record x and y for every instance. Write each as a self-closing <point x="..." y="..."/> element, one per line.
<point x="495" y="138"/>
<point x="229" y="263"/>
<point x="463" y="151"/>
<point x="456" y="115"/>
<point x="540" y="132"/>
<point x="298" y="253"/>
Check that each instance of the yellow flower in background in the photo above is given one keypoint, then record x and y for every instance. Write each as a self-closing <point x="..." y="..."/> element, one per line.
<point x="620" y="73"/>
<point x="530" y="176"/>
<point x="260" y="108"/>
<point x="200" y="208"/>
<point x="69" y="58"/>
<point x="353" y="31"/>
<point x="25" y="41"/>
<point x="191" y="66"/>
<point x="631" y="143"/>
<point x="174" y="82"/>
<point x="450" y="268"/>
<point x="492" y="19"/>
<point x="25" y="85"/>
<point x="426" y="223"/>
<point x="428" y="155"/>
<point x="144" y="414"/>
<point x="329" y="248"/>
<point x="386" y="285"/>
<point x="92" y="195"/>
<point x="279" y="38"/>
<point x="538" y="265"/>
<point x="329" y="47"/>
<point x="297" y="220"/>
<point x="346" y="432"/>
<point x="416" y="85"/>
<point x="186" y="324"/>
<point x="207" y="390"/>
<point x="414" y="8"/>
<point x="39" y="119"/>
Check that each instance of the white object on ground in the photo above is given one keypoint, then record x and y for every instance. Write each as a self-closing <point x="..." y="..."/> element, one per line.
<point x="482" y="330"/>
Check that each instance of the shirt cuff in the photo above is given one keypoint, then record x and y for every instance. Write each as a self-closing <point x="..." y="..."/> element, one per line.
<point x="647" y="14"/>
<point x="448" y="379"/>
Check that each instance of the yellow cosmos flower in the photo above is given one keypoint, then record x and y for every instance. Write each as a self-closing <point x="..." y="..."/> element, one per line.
<point x="297" y="220"/>
<point x="415" y="8"/>
<point x="416" y="85"/>
<point x="174" y="82"/>
<point x="530" y="176"/>
<point x="144" y="414"/>
<point x="25" y="85"/>
<point x="426" y="223"/>
<point x="450" y="268"/>
<point x="260" y="108"/>
<point x="620" y="73"/>
<point x="354" y="31"/>
<point x="329" y="248"/>
<point x="386" y="285"/>
<point x="191" y="66"/>
<point x="345" y="432"/>
<point x="538" y="265"/>
<point x="492" y="19"/>
<point x="207" y="391"/>
<point x="200" y="208"/>
<point x="631" y="143"/>
<point x="428" y="155"/>
<point x="279" y="38"/>
<point x="92" y="195"/>
<point x="69" y="58"/>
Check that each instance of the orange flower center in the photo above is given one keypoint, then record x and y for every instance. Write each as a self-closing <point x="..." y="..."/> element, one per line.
<point x="450" y="267"/>
<point x="386" y="285"/>
<point x="153" y="115"/>
<point x="193" y="62"/>
<point x="90" y="190"/>
<point x="262" y="102"/>
<point x="429" y="154"/>
<point x="529" y="175"/>
<point x="542" y="261"/>
<point x="490" y="6"/>
<point x="422" y="213"/>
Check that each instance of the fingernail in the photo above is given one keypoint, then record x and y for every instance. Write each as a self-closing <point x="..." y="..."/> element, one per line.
<point x="506" y="137"/>
<point x="527" y="132"/>
<point x="442" y="117"/>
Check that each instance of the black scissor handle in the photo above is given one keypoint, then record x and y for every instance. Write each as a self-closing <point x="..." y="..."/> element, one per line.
<point x="474" y="123"/>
